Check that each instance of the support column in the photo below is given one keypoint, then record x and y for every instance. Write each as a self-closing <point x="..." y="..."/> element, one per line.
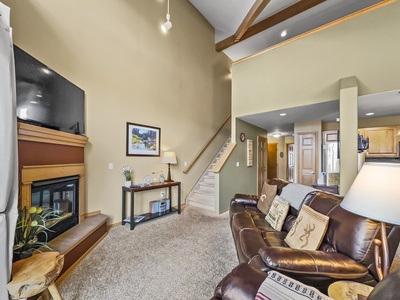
<point x="348" y="132"/>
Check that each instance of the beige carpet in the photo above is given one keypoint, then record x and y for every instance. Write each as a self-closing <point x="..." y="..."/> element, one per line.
<point x="173" y="257"/>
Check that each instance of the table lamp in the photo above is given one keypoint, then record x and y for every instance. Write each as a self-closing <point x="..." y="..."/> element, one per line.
<point x="374" y="194"/>
<point x="169" y="158"/>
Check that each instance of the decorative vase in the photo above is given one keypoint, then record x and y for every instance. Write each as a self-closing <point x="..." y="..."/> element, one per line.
<point x="128" y="183"/>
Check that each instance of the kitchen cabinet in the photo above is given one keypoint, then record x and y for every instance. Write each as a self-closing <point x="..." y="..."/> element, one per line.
<point x="383" y="141"/>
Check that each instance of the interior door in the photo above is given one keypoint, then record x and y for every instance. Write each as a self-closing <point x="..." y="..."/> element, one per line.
<point x="307" y="161"/>
<point x="262" y="162"/>
<point x="290" y="163"/>
<point x="272" y="160"/>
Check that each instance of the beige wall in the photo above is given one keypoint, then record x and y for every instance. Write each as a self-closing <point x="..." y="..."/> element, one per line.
<point x="308" y="70"/>
<point x="132" y="72"/>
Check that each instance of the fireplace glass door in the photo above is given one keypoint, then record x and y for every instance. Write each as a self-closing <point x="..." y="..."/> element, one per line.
<point x="62" y="195"/>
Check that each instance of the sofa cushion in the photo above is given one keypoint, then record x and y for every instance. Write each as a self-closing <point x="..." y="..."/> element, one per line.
<point x="268" y="194"/>
<point x="277" y="213"/>
<point x="308" y="231"/>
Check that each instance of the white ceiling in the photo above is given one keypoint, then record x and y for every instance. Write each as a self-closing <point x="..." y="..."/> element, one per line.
<point x="226" y="16"/>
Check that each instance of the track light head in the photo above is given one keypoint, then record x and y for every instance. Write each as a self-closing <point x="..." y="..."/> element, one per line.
<point x="167" y="25"/>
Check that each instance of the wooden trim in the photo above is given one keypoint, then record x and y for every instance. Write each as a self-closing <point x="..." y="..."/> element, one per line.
<point x="254" y="12"/>
<point x="70" y="269"/>
<point x="27" y="132"/>
<point x="185" y="171"/>
<point x="114" y="225"/>
<point x="273" y="20"/>
<point x="93" y="213"/>
<point x="315" y="30"/>
<point x="217" y="168"/>
<point x="30" y="174"/>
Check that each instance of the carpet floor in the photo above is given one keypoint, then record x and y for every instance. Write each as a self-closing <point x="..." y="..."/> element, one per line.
<point x="173" y="257"/>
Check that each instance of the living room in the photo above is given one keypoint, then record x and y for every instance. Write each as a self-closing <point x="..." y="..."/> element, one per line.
<point x="131" y="72"/>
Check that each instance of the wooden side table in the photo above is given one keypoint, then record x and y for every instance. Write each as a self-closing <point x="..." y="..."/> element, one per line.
<point x="349" y="290"/>
<point x="31" y="276"/>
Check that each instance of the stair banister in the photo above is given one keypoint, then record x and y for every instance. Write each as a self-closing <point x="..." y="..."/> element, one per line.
<point x="186" y="170"/>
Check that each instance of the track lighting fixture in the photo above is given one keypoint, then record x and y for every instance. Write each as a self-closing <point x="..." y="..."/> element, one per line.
<point x="167" y="25"/>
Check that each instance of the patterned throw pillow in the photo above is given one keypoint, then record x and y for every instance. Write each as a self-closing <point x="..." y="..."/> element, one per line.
<point x="308" y="231"/>
<point x="268" y="194"/>
<point x="277" y="213"/>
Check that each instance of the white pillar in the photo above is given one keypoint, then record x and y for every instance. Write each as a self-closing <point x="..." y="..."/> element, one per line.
<point x="348" y="132"/>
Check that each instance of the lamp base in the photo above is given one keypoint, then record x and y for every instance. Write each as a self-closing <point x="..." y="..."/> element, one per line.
<point x="382" y="262"/>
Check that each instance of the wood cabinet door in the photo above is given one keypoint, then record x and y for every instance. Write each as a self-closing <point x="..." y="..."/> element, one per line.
<point x="382" y="141"/>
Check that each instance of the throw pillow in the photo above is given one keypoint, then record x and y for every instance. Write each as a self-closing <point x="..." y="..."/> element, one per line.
<point x="268" y="194"/>
<point x="277" y="213"/>
<point x="282" y="287"/>
<point x="308" y="231"/>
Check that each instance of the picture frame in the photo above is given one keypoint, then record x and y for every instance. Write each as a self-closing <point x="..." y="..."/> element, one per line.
<point x="142" y="140"/>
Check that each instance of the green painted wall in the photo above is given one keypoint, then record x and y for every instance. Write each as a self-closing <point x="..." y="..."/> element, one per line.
<point x="242" y="179"/>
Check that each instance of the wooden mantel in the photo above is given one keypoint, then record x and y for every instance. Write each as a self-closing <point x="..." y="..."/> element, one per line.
<point x="27" y="132"/>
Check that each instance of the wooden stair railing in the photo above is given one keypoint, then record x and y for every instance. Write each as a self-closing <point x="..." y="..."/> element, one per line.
<point x="186" y="170"/>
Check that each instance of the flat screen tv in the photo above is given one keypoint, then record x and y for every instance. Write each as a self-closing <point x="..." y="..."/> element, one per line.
<point x="45" y="98"/>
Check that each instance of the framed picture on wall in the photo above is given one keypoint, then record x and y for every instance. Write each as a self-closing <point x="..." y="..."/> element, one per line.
<point x="142" y="140"/>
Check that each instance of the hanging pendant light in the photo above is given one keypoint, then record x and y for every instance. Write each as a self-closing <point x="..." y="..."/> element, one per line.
<point x="167" y="25"/>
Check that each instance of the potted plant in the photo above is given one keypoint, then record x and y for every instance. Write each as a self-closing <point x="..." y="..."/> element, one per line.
<point x="31" y="230"/>
<point x="127" y="172"/>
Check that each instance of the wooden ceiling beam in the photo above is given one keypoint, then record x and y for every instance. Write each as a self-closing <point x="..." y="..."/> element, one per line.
<point x="251" y="16"/>
<point x="273" y="20"/>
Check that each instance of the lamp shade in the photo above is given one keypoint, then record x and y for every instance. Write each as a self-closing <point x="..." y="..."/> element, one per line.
<point x="374" y="193"/>
<point x="169" y="157"/>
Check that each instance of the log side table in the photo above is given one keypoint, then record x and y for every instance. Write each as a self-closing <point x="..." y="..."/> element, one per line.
<point x="31" y="276"/>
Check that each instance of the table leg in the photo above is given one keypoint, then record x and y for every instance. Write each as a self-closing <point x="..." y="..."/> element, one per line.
<point x="170" y="198"/>
<point x="179" y="198"/>
<point x="132" y="210"/>
<point x="123" y="207"/>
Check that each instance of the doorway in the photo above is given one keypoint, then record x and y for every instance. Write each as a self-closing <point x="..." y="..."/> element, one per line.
<point x="262" y="162"/>
<point x="307" y="161"/>
<point x="272" y="160"/>
<point x="290" y="162"/>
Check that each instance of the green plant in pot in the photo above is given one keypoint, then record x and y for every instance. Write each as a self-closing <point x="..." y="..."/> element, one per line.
<point x="31" y="231"/>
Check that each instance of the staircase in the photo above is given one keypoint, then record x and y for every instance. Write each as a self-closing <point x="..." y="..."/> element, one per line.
<point x="203" y="193"/>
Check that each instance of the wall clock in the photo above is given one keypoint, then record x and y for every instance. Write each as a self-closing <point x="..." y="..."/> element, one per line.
<point x="242" y="137"/>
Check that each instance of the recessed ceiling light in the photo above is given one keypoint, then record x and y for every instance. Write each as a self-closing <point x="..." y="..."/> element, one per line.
<point x="369" y="114"/>
<point x="282" y="114"/>
<point x="34" y="102"/>
<point x="47" y="71"/>
<point x="284" y="33"/>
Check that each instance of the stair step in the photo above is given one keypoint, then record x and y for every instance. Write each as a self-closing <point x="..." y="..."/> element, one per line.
<point x="202" y="198"/>
<point x="202" y="205"/>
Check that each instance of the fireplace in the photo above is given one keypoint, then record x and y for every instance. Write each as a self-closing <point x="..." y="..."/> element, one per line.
<point x="61" y="195"/>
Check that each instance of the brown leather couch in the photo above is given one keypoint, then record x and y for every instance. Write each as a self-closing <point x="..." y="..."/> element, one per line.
<point x="346" y="252"/>
<point x="244" y="281"/>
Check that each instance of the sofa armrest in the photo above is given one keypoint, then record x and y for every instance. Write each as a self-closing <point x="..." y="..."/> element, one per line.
<point x="242" y="283"/>
<point x="245" y="199"/>
<point x="316" y="263"/>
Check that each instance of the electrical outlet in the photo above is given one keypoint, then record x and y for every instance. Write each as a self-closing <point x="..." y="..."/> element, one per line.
<point x="162" y="194"/>
<point x="110" y="166"/>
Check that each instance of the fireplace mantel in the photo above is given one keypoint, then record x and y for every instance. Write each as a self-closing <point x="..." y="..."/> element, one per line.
<point x="46" y="153"/>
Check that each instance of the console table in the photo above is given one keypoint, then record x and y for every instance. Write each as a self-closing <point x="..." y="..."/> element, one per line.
<point x="149" y="216"/>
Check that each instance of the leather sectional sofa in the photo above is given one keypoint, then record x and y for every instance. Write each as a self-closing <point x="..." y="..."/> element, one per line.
<point x="346" y="252"/>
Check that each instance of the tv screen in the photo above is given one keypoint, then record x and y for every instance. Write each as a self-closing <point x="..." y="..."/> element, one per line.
<point x="45" y="98"/>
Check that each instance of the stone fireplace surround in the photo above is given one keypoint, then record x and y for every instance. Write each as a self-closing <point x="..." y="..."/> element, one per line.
<point x="45" y="154"/>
